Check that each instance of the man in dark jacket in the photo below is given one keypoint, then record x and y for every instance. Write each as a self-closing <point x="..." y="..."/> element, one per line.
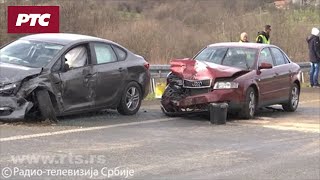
<point x="264" y="36"/>
<point x="314" y="55"/>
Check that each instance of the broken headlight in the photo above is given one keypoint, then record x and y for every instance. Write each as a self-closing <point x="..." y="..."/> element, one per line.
<point x="9" y="88"/>
<point x="225" y="85"/>
<point x="176" y="81"/>
<point x="171" y="78"/>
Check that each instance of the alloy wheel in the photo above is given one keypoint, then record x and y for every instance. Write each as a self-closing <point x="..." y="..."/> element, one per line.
<point x="252" y="104"/>
<point x="132" y="98"/>
<point x="295" y="97"/>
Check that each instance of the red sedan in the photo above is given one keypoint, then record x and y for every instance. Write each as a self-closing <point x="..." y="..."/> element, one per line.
<point x="247" y="76"/>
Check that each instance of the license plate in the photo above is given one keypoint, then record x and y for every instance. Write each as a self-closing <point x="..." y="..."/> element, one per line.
<point x="197" y="83"/>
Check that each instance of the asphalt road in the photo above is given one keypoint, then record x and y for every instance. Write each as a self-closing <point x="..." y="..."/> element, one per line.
<point x="275" y="145"/>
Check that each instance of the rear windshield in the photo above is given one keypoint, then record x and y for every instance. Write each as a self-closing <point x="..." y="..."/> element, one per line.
<point x="29" y="53"/>
<point x="238" y="57"/>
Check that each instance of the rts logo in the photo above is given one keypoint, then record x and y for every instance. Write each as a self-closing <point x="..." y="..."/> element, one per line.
<point x="33" y="19"/>
<point x="24" y="18"/>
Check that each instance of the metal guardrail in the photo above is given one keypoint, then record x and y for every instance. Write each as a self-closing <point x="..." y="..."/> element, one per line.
<point x="161" y="71"/>
<point x="304" y="66"/>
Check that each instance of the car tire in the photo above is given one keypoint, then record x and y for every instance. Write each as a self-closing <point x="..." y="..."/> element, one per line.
<point x="293" y="102"/>
<point x="250" y="105"/>
<point x="170" y="94"/>
<point x="165" y="99"/>
<point x="131" y="99"/>
<point x="45" y="106"/>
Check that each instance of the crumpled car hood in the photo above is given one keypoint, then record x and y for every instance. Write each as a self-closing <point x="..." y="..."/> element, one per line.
<point x="10" y="73"/>
<point x="198" y="70"/>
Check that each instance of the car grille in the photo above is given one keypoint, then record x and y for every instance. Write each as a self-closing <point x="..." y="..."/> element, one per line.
<point x="197" y="83"/>
<point x="194" y="92"/>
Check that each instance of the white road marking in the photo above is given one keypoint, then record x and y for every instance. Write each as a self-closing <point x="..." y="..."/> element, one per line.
<point x="313" y="128"/>
<point x="13" y="138"/>
<point x="311" y="101"/>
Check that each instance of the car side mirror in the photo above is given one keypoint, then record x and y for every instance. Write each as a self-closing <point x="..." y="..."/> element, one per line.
<point x="65" y="67"/>
<point x="265" y="66"/>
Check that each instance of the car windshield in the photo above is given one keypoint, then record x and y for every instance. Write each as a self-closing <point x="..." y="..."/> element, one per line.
<point x="29" y="53"/>
<point x="238" y="57"/>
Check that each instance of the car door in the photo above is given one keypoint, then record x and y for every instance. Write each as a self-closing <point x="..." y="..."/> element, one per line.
<point x="266" y="78"/>
<point x="283" y="73"/>
<point x="110" y="74"/>
<point x="78" y="81"/>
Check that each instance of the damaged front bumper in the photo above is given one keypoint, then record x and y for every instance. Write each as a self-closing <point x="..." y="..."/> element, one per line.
<point x="181" y="113"/>
<point x="231" y="97"/>
<point x="13" y="108"/>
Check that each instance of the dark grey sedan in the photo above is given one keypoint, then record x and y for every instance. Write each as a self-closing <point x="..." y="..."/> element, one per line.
<point x="50" y="75"/>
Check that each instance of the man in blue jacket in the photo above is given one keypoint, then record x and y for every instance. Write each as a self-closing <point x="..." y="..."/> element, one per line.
<point x="314" y="55"/>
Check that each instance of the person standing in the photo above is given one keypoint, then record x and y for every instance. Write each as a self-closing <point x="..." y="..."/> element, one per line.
<point x="243" y="37"/>
<point x="314" y="56"/>
<point x="264" y="36"/>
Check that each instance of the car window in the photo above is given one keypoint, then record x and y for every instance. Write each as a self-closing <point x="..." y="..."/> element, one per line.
<point x="217" y="55"/>
<point x="77" y="57"/>
<point x="214" y="55"/>
<point x="104" y="53"/>
<point x="57" y="66"/>
<point x="121" y="53"/>
<point x="265" y="57"/>
<point x="29" y="53"/>
<point x="239" y="57"/>
<point x="286" y="59"/>
<point x="234" y="58"/>
<point x="278" y="56"/>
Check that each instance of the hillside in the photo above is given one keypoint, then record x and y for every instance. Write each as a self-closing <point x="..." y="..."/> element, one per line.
<point x="161" y="30"/>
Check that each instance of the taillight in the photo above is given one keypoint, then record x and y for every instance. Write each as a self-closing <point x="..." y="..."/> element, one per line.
<point x="147" y="65"/>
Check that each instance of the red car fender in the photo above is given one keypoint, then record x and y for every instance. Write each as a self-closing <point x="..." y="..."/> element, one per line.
<point x="248" y="84"/>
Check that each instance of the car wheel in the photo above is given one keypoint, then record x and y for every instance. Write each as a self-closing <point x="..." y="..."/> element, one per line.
<point x="45" y="106"/>
<point x="130" y="100"/>
<point x="250" y="105"/>
<point x="170" y="94"/>
<point x="165" y="99"/>
<point x="293" y="102"/>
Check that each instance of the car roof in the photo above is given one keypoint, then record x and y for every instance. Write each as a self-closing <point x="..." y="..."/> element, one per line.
<point x="61" y="38"/>
<point x="237" y="44"/>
